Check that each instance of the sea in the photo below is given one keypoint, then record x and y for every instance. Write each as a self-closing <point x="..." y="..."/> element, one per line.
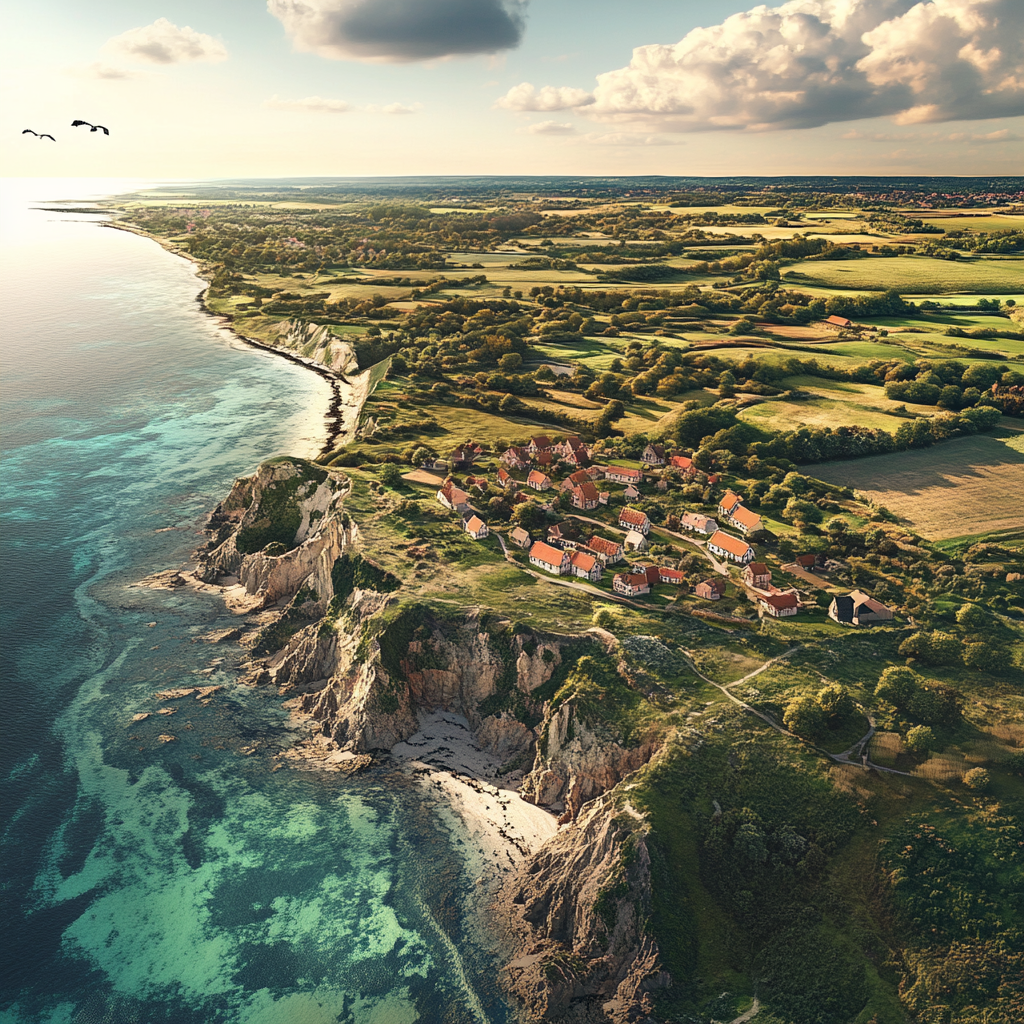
<point x="162" y="870"/>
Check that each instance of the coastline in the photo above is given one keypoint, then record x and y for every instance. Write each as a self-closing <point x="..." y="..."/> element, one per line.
<point x="333" y="417"/>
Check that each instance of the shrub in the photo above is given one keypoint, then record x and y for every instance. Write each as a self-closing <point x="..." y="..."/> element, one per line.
<point x="805" y="717"/>
<point x="920" y="739"/>
<point x="390" y="475"/>
<point x="977" y="778"/>
<point x="971" y="616"/>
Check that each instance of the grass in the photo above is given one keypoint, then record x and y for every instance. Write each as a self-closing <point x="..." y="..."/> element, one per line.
<point x="970" y="485"/>
<point x="918" y="275"/>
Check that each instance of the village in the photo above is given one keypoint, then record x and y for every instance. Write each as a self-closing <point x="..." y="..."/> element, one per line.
<point x="577" y="522"/>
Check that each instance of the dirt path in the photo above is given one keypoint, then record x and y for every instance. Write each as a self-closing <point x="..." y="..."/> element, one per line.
<point x="752" y="1012"/>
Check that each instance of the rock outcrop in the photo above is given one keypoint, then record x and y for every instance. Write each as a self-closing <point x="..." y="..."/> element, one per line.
<point x="577" y="912"/>
<point x="318" y="344"/>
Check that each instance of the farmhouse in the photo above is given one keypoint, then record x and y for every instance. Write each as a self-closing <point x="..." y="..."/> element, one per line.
<point x="673" y="576"/>
<point x="515" y="458"/>
<point x="654" y="455"/>
<point x="622" y="475"/>
<point x="544" y="459"/>
<point x="453" y="497"/>
<point x="683" y="463"/>
<point x="586" y="566"/>
<point x="858" y="609"/>
<point x="697" y="523"/>
<point x="550" y="559"/>
<point x="634" y="519"/>
<point x="779" y="605"/>
<point x="585" y="496"/>
<point x="807" y="562"/>
<point x="745" y="520"/>
<point x="608" y="551"/>
<point x="520" y="537"/>
<point x="574" y="480"/>
<point x="538" y="481"/>
<point x="731" y="548"/>
<point x="476" y="528"/>
<point x="837" y="323"/>
<point x="635" y="541"/>
<point x="540" y="443"/>
<point x="505" y="479"/>
<point x="729" y="501"/>
<point x="632" y="493"/>
<point x="757" y="574"/>
<point x="478" y="483"/>
<point x="710" y="590"/>
<point x="631" y="584"/>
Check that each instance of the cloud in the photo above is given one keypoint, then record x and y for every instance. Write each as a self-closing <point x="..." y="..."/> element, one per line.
<point x="550" y="128"/>
<point x="811" y="62"/>
<point x="396" y="109"/>
<point x="164" y="43"/>
<point x="525" y="97"/>
<point x="400" y="30"/>
<point x="101" y="71"/>
<point x="629" y="139"/>
<point x="1002" y="135"/>
<point x="310" y="105"/>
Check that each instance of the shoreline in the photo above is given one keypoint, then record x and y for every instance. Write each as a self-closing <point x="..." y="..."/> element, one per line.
<point x="333" y="417"/>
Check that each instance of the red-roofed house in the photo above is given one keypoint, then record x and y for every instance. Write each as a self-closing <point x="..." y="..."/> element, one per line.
<point x="745" y="520"/>
<point x="608" y="551"/>
<point x="756" y="574"/>
<point x="453" y="497"/>
<point x="780" y="605"/>
<point x="515" y="458"/>
<point x="837" y="323"/>
<point x="683" y="463"/>
<point x="573" y="480"/>
<point x="729" y="501"/>
<point x="697" y="523"/>
<point x="505" y="479"/>
<point x="540" y="443"/>
<point x="631" y="584"/>
<point x="585" y="496"/>
<point x="550" y="559"/>
<point x="476" y="528"/>
<point x="544" y="459"/>
<point x="634" y="519"/>
<point x="538" y="481"/>
<point x="622" y="475"/>
<point x="731" y="548"/>
<point x="585" y="565"/>
<point x="710" y="590"/>
<point x="673" y="576"/>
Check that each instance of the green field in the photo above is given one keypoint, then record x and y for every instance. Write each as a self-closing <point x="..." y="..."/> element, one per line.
<point x="917" y="275"/>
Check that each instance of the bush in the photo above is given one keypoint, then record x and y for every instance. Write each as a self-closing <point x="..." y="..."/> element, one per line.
<point x="920" y="739"/>
<point x="971" y="616"/>
<point x="805" y="717"/>
<point x="390" y="475"/>
<point x="977" y="778"/>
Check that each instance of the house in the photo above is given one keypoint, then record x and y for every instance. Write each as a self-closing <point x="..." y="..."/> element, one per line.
<point x="586" y="566"/>
<point x="621" y="475"/>
<point x="597" y="472"/>
<point x="631" y="584"/>
<point x="515" y="458"/>
<point x="635" y="541"/>
<point x="564" y="535"/>
<point x="578" y="455"/>
<point x="779" y="605"/>
<point x="544" y="459"/>
<point x="697" y="523"/>
<point x="506" y="480"/>
<point x="837" y="323"/>
<point x="731" y="548"/>
<point x="632" y="493"/>
<point x="550" y="559"/>
<point x="634" y="519"/>
<point x="673" y="576"/>
<point x="566" y="446"/>
<point x="540" y="443"/>
<point x="744" y="520"/>
<point x="756" y="574"/>
<point x="710" y="590"/>
<point x="538" y="481"/>
<point x="585" y="496"/>
<point x="858" y="609"/>
<point x="608" y="551"/>
<point x="574" y="480"/>
<point x="602" y="497"/>
<point x="654" y="455"/>
<point x="520" y="538"/>
<point x="453" y="497"/>
<point x="434" y="466"/>
<point x="476" y="528"/>
<point x="729" y="501"/>
<point x="683" y="463"/>
<point x="807" y="562"/>
<point x="463" y="458"/>
<point x="478" y="483"/>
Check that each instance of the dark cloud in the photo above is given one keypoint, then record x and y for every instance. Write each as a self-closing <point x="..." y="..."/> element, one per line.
<point x="400" y="30"/>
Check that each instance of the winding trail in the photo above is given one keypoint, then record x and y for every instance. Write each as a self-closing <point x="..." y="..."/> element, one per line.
<point x="752" y="1012"/>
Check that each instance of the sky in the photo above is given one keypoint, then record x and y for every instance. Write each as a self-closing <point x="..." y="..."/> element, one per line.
<point x="275" y="88"/>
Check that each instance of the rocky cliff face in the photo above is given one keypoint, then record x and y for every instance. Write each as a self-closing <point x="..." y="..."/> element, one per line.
<point x="577" y="912"/>
<point x="279" y="532"/>
<point x="317" y="343"/>
<point x="574" y="763"/>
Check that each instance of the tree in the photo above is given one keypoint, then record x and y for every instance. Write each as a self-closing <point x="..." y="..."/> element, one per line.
<point x="528" y="516"/>
<point x="604" y="617"/>
<point x="920" y="739"/>
<point x="835" y="701"/>
<point x="971" y="616"/>
<point x="897" y="685"/>
<point x="805" y="717"/>
<point x="802" y="511"/>
<point x="499" y="508"/>
<point x="837" y="526"/>
<point x="977" y="778"/>
<point x="510" y="362"/>
<point x="390" y="475"/>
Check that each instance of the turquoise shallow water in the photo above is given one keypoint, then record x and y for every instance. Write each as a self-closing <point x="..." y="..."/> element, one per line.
<point x="183" y="881"/>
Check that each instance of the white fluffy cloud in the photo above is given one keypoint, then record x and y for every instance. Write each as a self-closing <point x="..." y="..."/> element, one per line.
<point x="165" y="43"/>
<point x="550" y="128"/>
<point x="525" y="97"/>
<point x="810" y="62"/>
<point x="400" y="30"/>
<point x="310" y="105"/>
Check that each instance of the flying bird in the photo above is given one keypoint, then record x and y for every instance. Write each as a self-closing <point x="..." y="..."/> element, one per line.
<point x="44" y="135"/>
<point x="92" y="127"/>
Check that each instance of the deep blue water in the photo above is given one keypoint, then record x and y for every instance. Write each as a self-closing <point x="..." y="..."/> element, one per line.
<point x="184" y="881"/>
